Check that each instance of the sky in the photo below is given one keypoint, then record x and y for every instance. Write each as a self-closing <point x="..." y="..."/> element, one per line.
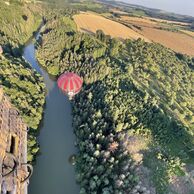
<point x="185" y="7"/>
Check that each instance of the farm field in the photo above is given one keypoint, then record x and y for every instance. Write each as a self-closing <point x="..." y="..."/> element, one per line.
<point x="174" y="40"/>
<point x="152" y="22"/>
<point x="93" y="22"/>
<point x="188" y="32"/>
<point x="139" y="21"/>
<point x="166" y="21"/>
<point x="177" y="41"/>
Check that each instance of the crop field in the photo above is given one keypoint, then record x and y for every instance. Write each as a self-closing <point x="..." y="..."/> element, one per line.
<point x="89" y="22"/>
<point x="167" y="21"/>
<point x="176" y="41"/>
<point x="150" y="22"/>
<point x="190" y="33"/>
<point x="142" y="21"/>
<point x="180" y="41"/>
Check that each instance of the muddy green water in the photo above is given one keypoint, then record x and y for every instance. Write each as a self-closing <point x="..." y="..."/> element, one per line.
<point x="53" y="174"/>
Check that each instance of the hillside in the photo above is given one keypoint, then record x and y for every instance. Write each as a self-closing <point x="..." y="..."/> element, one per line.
<point x="133" y="91"/>
<point x="24" y="86"/>
<point x="138" y="10"/>
<point x="18" y="22"/>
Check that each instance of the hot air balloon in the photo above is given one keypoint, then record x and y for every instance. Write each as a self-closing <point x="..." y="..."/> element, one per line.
<point x="70" y="83"/>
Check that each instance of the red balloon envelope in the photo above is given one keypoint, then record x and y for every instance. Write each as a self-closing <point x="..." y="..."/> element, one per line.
<point x="70" y="84"/>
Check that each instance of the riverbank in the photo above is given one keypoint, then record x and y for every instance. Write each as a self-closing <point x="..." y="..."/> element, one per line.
<point x="52" y="172"/>
<point x="124" y="104"/>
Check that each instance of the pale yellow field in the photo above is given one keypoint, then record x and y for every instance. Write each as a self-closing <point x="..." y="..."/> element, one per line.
<point x="167" y="21"/>
<point x="150" y="22"/>
<point x="93" y="22"/>
<point x="138" y="19"/>
<point x="176" y="41"/>
<point x="179" y="42"/>
<point x="188" y="32"/>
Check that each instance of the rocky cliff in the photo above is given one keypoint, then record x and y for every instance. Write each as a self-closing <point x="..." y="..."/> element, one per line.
<point x="14" y="170"/>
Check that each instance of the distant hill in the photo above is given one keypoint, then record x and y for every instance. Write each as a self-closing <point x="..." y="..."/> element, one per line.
<point x="157" y="13"/>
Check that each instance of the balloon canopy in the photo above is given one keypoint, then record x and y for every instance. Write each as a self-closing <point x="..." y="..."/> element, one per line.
<point x="70" y="83"/>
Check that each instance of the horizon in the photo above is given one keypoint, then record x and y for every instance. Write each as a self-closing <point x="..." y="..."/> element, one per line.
<point x="182" y="7"/>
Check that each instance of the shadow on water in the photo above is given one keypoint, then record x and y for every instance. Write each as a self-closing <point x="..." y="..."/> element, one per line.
<point x="53" y="174"/>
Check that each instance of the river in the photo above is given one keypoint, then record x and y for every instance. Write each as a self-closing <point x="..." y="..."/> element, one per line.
<point x="53" y="174"/>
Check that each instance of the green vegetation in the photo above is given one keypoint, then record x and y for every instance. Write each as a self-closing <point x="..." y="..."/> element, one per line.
<point x="18" y="22"/>
<point x="131" y="87"/>
<point x="103" y="163"/>
<point x="90" y="6"/>
<point x="24" y="86"/>
<point x="169" y="78"/>
<point x="26" y="91"/>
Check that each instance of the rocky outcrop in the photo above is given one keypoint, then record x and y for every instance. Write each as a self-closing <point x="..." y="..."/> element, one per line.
<point x="14" y="170"/>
